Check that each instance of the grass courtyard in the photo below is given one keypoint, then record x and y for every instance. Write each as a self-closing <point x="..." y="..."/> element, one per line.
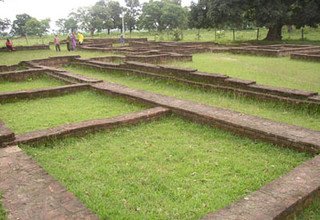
<point x="167" y="169"/>
<point x="170" y="168"/>
<point x="29" y="115"/>
<point x="274" y="111"/>
<point x="273" y="71"/>
<point x="30" y="83"/>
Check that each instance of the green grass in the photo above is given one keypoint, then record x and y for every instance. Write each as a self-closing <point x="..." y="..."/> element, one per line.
<point x="11" y="58"/>
<point x="3" y="212"/>
<point x="167" y="169"/>
<point x="29" y="115"/>
<point x="274" y="111"/>
<point x="312" y="212"/>
<point x="278" y="72"/>
<point x="30" y="83"/>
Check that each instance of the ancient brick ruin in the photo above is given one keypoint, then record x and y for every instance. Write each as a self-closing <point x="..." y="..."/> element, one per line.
<point x="285" y="195"/>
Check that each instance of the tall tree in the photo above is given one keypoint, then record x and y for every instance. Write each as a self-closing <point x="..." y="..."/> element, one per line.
<point x="132" y="12"/>
<point x="198" y="15"/>
<point x="271" y="14"/>
<point x="110" y="14"/>
<point x="162" y="15"/>
<point x="19" y="25"/>
<point x="37" y="27"/>
<point x="4" y="25"/>
<point x="102" y="12"/>
<point x="67" y="25"/>
<point x="88" y="19"/>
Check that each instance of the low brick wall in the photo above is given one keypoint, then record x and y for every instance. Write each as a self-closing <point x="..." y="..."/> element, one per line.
<point x="6" y="135"/>
<point x="112" y="59"/>
<point x="4" y="68"/>
<point x="40" y="93"/>
<point x="210" y="81"/>
<point x="51" y="61"/>
<point x="309" y="57"/>
<point x="21" y="75"/>
<point x="279" y="199"/>
<point x="294" y="137"/>
<point x="84" y="127"/>
<point x="33" y="47"/>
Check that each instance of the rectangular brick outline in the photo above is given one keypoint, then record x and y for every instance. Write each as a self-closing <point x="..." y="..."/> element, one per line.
<point x="82" y="128"/>
<point x="260" y="92"/>
<point x="129" y="96"/>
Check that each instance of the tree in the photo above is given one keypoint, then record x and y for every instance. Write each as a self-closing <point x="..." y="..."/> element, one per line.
<point x="115" y="10"/>
<point x="271" y="14"/>
<point x="67" y="25"/>
<point x="198" y="15"/>
<point x="102" y="12"/>
<point x="88" y="19"/>
<point x="132" y="11"/>
<point x="19" y="25"/>
<point x="109" y="12"/>
<point x="162" y="15"/>
<point x="4" y="25"/>
<point x="37" y="27"/>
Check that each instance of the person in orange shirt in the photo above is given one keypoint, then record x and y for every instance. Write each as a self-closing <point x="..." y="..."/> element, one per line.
<point x="9" y="45"/>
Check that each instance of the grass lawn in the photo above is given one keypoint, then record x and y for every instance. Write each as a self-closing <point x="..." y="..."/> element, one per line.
<point x="29" y="115"/>
<point x="311" y="35"/>
<point x="279" y="72"/>
<point x="11" y="58"/>
<point x="312" y="212"/>
<point x="273" y="111"/>
<point x="166" y="169"/>
<point x="31" y="83"/>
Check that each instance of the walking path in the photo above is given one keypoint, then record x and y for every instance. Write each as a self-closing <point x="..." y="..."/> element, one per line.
<point x="30" y="193"/>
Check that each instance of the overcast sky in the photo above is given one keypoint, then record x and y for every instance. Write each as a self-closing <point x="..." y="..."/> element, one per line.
<point x="53" y="9"/>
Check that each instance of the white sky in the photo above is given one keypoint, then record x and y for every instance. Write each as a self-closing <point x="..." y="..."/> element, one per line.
<point x="53" y="9"/>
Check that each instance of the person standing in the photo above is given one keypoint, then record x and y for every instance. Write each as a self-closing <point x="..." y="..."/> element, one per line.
<point x="122" y="41"/>
<point x="57" y="43"/>
<point x="73" y="41"/>
<point x="68" y="40"/>
<point x="80" y="38"/>
<point x="9" y="45"/>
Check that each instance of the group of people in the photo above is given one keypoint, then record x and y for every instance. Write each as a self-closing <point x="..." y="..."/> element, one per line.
<point x="71" y="41"/>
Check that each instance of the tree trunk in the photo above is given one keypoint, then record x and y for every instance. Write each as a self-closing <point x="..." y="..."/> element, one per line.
<point x="108" y="31"/>
<point x="92" y="32"/>
<point x="274" y="33"/>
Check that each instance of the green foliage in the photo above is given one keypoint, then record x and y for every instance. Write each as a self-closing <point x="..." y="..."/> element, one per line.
<point x="67" y="25"/>
<point x="162" y="15"/>
<point x="19" y="25"/>
<point x="37" y="27"/>
<point x="166" y="169"/>
<point x="4" y="25"/>
<point x="132" y="11"/>
<point x="270" y="14"/>
<point x="198" y="15"/>
<point x="88" y="20"/>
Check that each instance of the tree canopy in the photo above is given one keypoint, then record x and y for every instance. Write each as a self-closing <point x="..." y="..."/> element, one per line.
<point x="19" y="25"/>
<point x="271" y="14"/>
<point x="162" y="15"/>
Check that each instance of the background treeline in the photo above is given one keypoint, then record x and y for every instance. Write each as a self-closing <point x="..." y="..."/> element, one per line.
<point x="168" y="16"/>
